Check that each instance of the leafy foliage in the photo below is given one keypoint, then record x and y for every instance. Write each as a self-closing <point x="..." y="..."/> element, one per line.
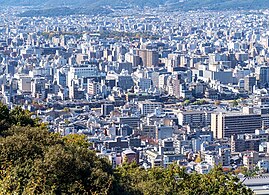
<point x="234" y="103"/>
<point x="16" y="116"/>
<point x="175" y="180"/>
<point x="34" y="161"/>
<point x="4" y="118"/>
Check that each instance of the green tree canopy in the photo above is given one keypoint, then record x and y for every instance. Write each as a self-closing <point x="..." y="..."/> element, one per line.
<point x="235" y="103"/>
<point x="175" y="180"/>
<point x="34" y="161"/>
<point x="16" y="116"/>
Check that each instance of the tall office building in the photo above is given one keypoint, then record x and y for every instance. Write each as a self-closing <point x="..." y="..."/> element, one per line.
<point x="38" y="87"/>
<point x="143" y="55"/>
<point x="132" y="121"/>
<point x="94" y="88"/>
<point x="263" y="75"/>
<point x="240" y="145"/>
<point x="75" y="92"/>
<point x="148" y="57"/>
<point x="120" y="66"/>
<point x="225" y="125"/>
<point x="24" y="83"/>
<point x="152" y="58"/>
<point x="125" y="82"/>
<point x="249" y="83"/>
<point x="60" y="77"/>
<point x="10" y="67"/>
<point x="106" y="109"/>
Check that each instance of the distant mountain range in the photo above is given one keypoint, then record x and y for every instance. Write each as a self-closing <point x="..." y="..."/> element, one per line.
<point x="225" y="4"/>
<point x="84" y="3"/>
<point x="90" y="5"/>
<point x="186" y="4"/>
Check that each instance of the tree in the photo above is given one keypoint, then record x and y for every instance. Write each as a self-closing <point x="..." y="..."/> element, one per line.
<point x="217" y="102"/>
<point x="186" y="102"/>
<point x="34" y="161"/>
<point x="5" y="122"/>
<point x="16" y="116"/>
<point x="200" y="102"/>
<point x="234" y="103"/>
<point x="66" y="109"/>
<point x="77" y="140"/>
<point x="198" y="158"/>
<point x="21" y="117"/>
<point x="175" y="180"/>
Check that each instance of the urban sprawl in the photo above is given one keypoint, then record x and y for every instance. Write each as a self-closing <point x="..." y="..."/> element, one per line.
<point x="147" y="85"/>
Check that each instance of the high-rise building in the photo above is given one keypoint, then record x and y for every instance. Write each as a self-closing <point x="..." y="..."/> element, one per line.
<point x="263" y="75"/>
<point x="132" y="58"/>
<point x="93" y="87"/>
<point x="143" y="55"/>
<point x="149" y="57"/>
<point x="75" y="92"/>
<point x="249" y="83"/>
<point x="125" y="82"/>
<point x="38" y="87"/>
<point x="132" y="121"/>
<point x="163" y="132"/>
<point x="106" y="109"/>
<point x="226" y="125"/>
<point x="152" y="58"/>
<point x="10" y="67"/>
<point x="124" y="66"/>
<point x="24" y="83"/>
<point x="60" y="78"/>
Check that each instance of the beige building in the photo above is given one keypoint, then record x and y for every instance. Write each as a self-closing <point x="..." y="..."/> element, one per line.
<point x="94" y="88"/>
<point x="250" y="159"/>
<point x="148" y="57"/>
<point x="154" y="158"/>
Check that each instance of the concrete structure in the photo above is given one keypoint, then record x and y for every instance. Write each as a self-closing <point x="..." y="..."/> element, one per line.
<point x="225" y="125"/>
<point x="148" y="107"/>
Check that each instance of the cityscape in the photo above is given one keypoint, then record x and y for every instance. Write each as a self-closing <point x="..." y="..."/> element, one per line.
<point x="143" y="85"/>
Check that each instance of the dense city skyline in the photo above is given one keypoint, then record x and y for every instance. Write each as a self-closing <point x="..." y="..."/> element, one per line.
<point x="183" y="94"/>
